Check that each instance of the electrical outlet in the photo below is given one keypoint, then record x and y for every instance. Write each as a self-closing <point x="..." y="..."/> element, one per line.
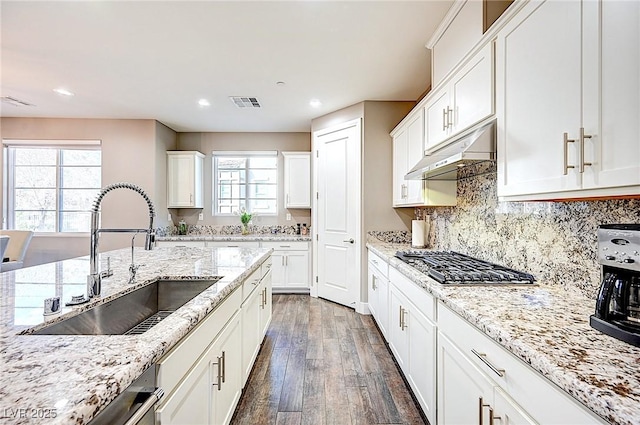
<point x="288" y="216"/>
<point x="201" y="216"/>
<point x="169" y="217"/>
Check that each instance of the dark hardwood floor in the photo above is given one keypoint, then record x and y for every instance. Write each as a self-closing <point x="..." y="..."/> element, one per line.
<point x="324" y="364"/>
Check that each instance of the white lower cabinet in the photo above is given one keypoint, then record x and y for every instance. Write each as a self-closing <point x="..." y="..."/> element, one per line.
<point x="210" y="391"/>
<point x="412" y="338"/>
<point x="203" y="375"/>
<point x="256" y="317"/>
<point x="290" y="266"/>
<point x="474" y="370"/>
<point x="378" y="292"/>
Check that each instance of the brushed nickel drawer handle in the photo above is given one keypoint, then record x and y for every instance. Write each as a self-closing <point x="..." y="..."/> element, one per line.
<point x="566" y="142"/>
<point x="483" y="359"/>
<point x="582" y="137"/>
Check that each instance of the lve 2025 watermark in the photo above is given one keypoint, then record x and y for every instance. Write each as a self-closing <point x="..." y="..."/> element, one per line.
<point x="27" y="413"/>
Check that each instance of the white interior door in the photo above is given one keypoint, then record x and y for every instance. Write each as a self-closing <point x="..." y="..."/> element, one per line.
<point x="337" y="207"/>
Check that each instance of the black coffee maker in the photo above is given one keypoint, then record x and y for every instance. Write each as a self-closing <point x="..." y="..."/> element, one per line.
<point x="618" y="304"/>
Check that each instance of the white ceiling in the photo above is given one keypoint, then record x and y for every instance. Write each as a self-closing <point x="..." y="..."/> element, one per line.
<point x="155" y="60"/>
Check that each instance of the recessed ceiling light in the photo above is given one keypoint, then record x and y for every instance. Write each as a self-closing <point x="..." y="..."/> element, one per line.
<point x="63" y="92"/>
<point x="315" y="103"/>
<point x="204" y="102"/>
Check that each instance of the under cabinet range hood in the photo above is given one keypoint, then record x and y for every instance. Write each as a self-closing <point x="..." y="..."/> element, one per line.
<point x="478" y="144"/>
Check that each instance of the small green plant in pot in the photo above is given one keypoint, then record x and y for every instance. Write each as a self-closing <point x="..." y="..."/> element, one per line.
<point x="245" y="219"/>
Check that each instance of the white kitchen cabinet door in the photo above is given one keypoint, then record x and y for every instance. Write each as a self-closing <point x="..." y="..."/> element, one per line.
<point x="226" y="372"/>
<point x="463" y="390"/>
<point x="463" y="101"/>
<point x="185" y="179"/>
<point x="612" y="81"/>
<point x="422" y="360"/>
<point x="297" y="179"/>
<point x="538" y="56"/>
<point x="290" y="265"/>
<point x="378" y="294"/>
<point x="190" y="403"/>
<point x="251" y="330"/>
<point x="398" y="333"/>
<point x="472" y="90"/>
<point x="297" y="269"/>
<point x="266" y="306"/>
<point x="414" y="153"/>
<point x="438" y="118"/>
<point x="400" y="147"/>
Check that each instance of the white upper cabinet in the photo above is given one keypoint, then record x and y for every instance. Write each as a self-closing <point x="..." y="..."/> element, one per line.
<point x="297" y="179"/>
<point x="408" y="145"/>
<point x="464" y="100"/>
<point x="568" y="84"/>
<point x="185" y="179"/>
<point x="458" y="33"/>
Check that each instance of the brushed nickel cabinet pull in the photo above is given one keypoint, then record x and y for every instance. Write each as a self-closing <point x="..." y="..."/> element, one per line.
<point x="566" y="153"/>
<point x="483" y="359"/>
<point x="480" y="409"/>
<point x="373" y="282"/>
<point x="444" y="120"/>
<point x="449" y="119"/>
<point x="219" y="377"/>
<point x="582" y="137"/>
<point x="224" y="366"/>
<point x="400" y="318"/>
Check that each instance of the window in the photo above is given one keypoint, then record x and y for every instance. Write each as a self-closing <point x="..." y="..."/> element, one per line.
<point x="245" y="180"/>
<point x="51" y="187"/>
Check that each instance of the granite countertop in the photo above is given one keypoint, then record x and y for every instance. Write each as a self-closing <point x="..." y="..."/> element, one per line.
<point x="277" y="237"/>
<point x="546" y="326"/>
<point x="62" y="379"/>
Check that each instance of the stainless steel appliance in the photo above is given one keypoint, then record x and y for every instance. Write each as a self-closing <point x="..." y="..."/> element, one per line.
<point x="450" y="267"/>
<point x="135" y="405"/>
<point x="618" y="303"/>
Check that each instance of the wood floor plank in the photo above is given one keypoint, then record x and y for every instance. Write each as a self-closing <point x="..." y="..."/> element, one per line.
<point x="353" y="373"/>
<point x="360" y="406"/>
<point x="315" y="340"/>
<point x="328" y="321"/>
<point x="293" y="385"/>
<point x="313" y="406"/>
<point x="289" y="418"/>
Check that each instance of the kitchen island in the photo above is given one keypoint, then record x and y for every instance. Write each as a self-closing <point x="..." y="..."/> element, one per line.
<point x="62" y="379"/>
<point x="547" y="328"/>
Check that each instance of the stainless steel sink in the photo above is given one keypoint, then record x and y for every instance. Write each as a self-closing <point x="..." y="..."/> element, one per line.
<point x="132" y="313"/>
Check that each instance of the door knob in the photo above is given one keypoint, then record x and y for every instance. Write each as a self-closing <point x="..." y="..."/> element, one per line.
<point x="350" y="240"/>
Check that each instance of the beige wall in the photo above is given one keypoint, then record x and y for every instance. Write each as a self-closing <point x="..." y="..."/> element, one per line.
<point x="378" y="119"/>
<point x="208" y="142"/>
<point x="129" y="154"/>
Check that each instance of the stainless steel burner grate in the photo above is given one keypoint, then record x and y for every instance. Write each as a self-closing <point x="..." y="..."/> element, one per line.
<point x="149" y="323"/>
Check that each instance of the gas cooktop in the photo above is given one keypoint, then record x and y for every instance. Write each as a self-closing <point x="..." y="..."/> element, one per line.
<point x="450" y="267"/>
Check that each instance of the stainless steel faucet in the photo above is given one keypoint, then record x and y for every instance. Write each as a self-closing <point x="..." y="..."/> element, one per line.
<point x="94" y="279"/>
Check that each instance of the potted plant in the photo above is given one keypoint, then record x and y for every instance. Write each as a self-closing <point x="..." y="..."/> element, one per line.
<point x="245" y="219"/>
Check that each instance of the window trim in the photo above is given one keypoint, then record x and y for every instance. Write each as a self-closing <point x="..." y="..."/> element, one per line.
<point x="9" y="175"/>
<point x="244" y="154"/>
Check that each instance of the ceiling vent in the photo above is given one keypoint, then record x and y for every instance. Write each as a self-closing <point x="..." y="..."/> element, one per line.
<point x="245" y="102"/>
<point x="15" y="102"/>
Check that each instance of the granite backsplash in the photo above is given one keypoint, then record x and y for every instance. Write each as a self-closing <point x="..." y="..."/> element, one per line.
<point x="206" y="230"/>
<point x="555" y="241"/>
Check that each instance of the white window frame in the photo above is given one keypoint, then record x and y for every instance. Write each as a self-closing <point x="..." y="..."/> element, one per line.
<point x="240" y="154"/>
<point x="9" y="177"/>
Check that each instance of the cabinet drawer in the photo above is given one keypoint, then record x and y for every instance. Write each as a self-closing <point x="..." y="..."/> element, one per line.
<point x="381" y="265"/>
<point x="418" y="296"/>
<point x="287" y="246"/>
<point x="546" y="402"/>
<point x="176" y="363"/>
<point x="251" y="283"/>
